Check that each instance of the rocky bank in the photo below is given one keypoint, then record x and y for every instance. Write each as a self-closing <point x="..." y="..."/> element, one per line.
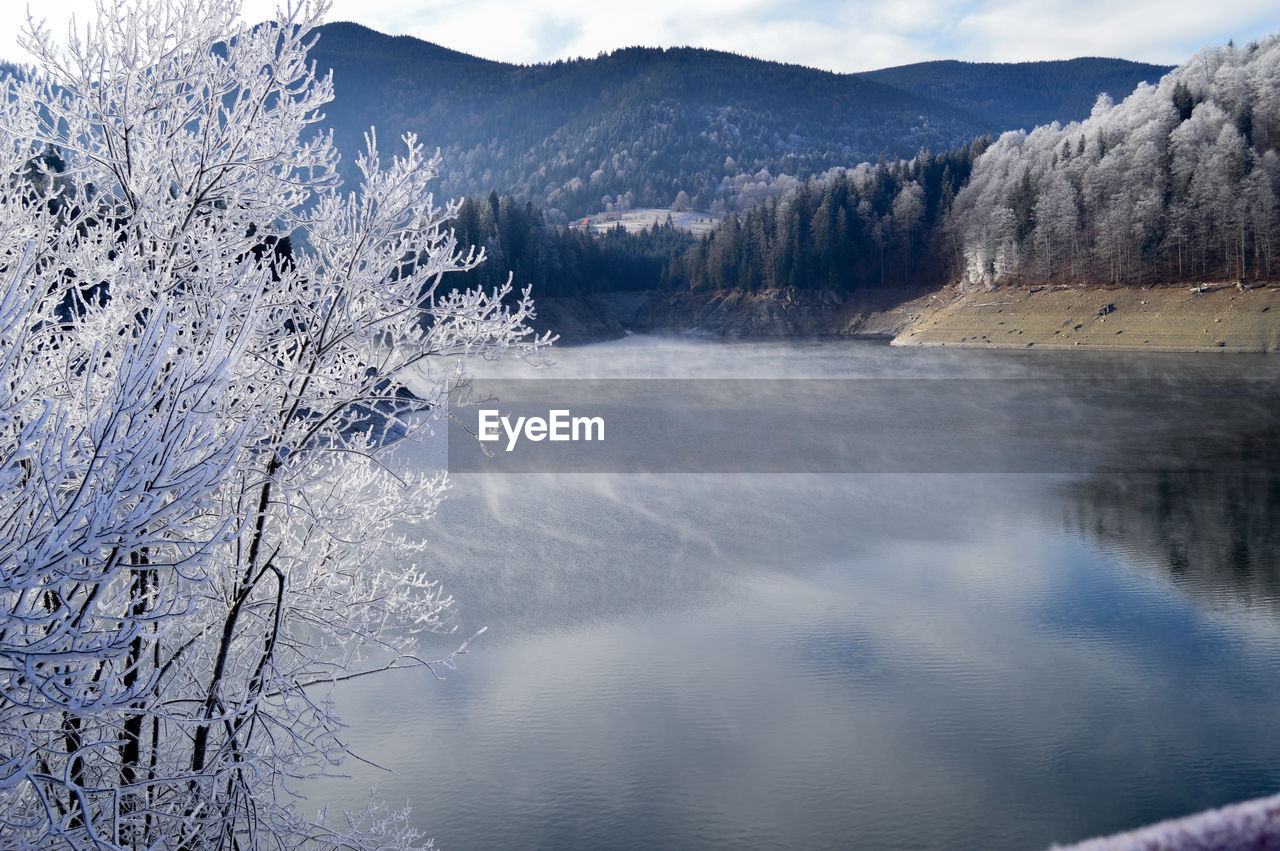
<point x="775" y="314"/>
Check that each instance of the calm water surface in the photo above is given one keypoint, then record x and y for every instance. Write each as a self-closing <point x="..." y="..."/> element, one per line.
<point x="862" y="660"/>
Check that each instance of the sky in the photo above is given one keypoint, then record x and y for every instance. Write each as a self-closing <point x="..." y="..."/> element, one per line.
<point x="836" y="35"/>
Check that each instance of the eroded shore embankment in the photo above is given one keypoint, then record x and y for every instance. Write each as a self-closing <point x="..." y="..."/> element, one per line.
<point x="1214" y="317"/>
<point x="1218" y="317"/>
<point x="773" y="314"/>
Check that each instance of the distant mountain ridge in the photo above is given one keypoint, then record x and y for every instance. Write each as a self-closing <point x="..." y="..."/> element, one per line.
<point x="1022" y="95"/>
<point x="640" y="126"/>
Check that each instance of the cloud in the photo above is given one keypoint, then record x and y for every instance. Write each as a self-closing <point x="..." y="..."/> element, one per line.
<point x="839" y="35"/>
<point x="1009" y="30"/>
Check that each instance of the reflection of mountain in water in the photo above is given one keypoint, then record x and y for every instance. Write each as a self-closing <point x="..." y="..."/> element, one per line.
<point x="1211" y="521"/>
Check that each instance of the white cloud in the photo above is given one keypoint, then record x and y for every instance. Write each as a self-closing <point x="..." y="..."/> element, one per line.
<point x="1151" y="30"/>
<point x="841" y="35"/>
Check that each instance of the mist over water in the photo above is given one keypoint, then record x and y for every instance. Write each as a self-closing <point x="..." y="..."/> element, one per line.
<point x="924" y="660"/>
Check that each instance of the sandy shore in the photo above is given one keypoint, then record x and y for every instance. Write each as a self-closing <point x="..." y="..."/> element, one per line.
<point x="1222" y="317"/>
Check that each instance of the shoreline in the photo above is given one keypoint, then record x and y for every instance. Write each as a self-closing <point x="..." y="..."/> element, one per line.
<point x="1175" y="318"/>
<point x="1217" y="317"/>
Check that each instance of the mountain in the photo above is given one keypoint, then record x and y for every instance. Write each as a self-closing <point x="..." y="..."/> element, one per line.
<point x="1177" y="183"/>
<point x="641" y="125"/>
<point x="1022" y="95"/>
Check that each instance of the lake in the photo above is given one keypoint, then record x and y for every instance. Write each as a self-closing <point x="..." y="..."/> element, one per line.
<point x="1052" y="639"/>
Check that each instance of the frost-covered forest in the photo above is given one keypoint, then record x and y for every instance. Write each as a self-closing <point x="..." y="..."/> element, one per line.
<point x="1176" y="182"/>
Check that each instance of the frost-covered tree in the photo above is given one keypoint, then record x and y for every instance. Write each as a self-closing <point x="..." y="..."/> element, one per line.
<point x="200" y="527"/>
<point x="908" y="211"/>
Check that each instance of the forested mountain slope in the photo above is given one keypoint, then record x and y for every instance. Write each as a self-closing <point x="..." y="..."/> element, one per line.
<point x="1179" y="182"/>
<point x="639" y="126"/>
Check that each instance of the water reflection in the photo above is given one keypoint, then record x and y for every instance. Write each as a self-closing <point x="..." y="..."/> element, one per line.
<point x="873" y="661"/>
<point x="1210" y="522"/>
<point x="529" y="553"/>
